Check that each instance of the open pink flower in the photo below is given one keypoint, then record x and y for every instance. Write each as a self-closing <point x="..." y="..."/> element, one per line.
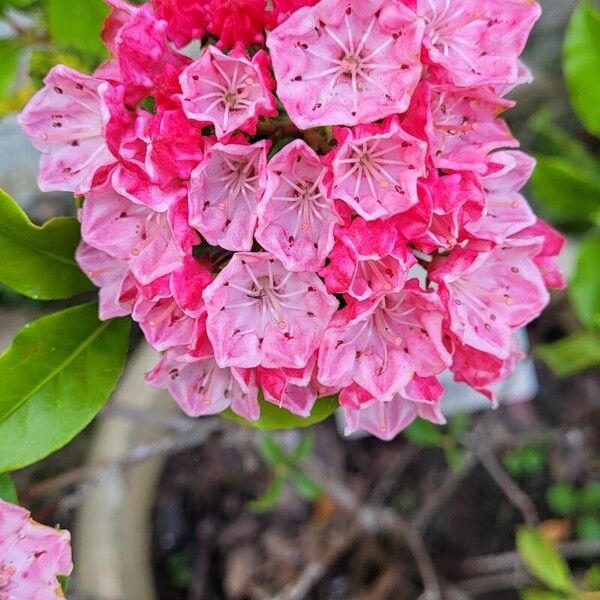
<point x="201" y="387"/>
<point x="296" y="214"/>
<point x="489" y="294"/>
<point x="118" y="290"/>
<point x="71" y="121"/>
<point x="477" y="42"/>
<point x="32" y="556"/>
<point x="344" y="63"/>
<point x="186" y="19"/>
<point x="229" y="91"/>
<point x="368" y="259"/>
<point x="375" y="169"/>
<point x="224" y="193"/>
<point x="261" y="314"/>
<point x="461" y="125"/>
<point x="282" y="9"/>
<point x="382" y="343"/>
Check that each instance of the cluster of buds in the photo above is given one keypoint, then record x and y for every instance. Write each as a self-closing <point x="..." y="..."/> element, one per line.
<point x="297" y="199"/>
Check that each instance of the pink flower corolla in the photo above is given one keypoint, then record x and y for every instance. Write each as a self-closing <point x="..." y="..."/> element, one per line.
<point x="259" y="313"/>
<point x="118" y="289"/>
<point x="369" y="259"/>
<point x="382" y="343"/>
<point x="152" y="243"/>
<point x="344" y="63"/>
<point x="489" y="294"/>
<point x="186" y="19"/>
<point x="201" y="387"/>
<point x="225" y="190"/>
<point x="296" y="215"/>
<point x="506" y="210"/>
<point x="282" y="9"/>
<point x="229" y="91"/>
<point x="237" y="23"/>
<point x="461" y="125"/>
<point x="375" y="169"/>
<point x="72" y="122"/>
<point x="32" y="556"/>
<point x="157" y="158"/>
<point x="385" y="419"/>
<point x="167" y="308"/>
<point x="477" y="42"/>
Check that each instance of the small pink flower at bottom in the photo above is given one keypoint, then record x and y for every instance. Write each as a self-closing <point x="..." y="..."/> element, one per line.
<point x="296" y="216"/>
<point x="375" y="169"/>
<point x="32" y="556"/>
<point x="224" y="192"/>
<point x="344" y="63"/>
<point x="259" y="313"/>
<point x="201" y="387"/>
<point x="228" y="90"/>
<point x="70" y="122"/>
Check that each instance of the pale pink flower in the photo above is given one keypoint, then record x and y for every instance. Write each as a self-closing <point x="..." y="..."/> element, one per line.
<point x="344" y="63"/>
<point x="118" y="289"/>
<point x="32" y="556"/>
<point x="296" y="216"/>
<point x="282" y="9"/>
<point x="201" y="387"/>
<point x="261" y="314"/>
<point x="375" y="169"/>
<point x="477" y="42"/>
<point x="229" y="91"/>
<point x="225" y="190"/>
<point x="368" y="259"/>
<point x="72" y="121"/>
<point x="461" y="125"/>
<point x="489" y="294"/>
<point x="380" y="344"/>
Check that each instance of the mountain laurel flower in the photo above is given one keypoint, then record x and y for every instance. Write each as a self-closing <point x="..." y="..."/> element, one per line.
<point x="324" y="201"/>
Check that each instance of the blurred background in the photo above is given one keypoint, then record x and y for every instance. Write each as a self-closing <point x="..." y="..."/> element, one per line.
<point x="165" y="507"/>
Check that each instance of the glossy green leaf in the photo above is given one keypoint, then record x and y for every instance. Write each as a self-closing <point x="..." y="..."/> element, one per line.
<point x="543" y="561"/>
<point x="10" y="51"/>
<point x="572" y="354"/>
<point x="563" y="499"/>
<point x="39" y="262"/>
<point x="588" y="528"/>
<point x="76" y="24"/>
<point x="270" y="498"/>
<point x="568" y="191"/>
<point x="581" y="62"/>
<point x="8" y="491"/>
<point x="302" y="450"/>
<point x="272" y="452"/>
<point x="272" y="417"/>
<point x="584" y="288"/>
<point x="56" y="375"/>
<point x="423" y="433"/>
<point x="305" y="487"/>
<point x="534" y="594"/>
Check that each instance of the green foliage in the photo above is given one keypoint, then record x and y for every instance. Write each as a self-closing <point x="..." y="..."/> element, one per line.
<point x="592" y="578"/>
<point x="425" y="434"/>
<point x="77" y="24"/>
<point x="56" y="375"/>
<point x="39" y="262"/>
<point x="10" y="51"/>
<point x="543" y="561"/>
<point x="588" y="527"/>
<point x="581" y="64"/>
<point x="273" y="417"/>
<point x="572" y="354"/>
<point x="584" y="289"/>
<point x="524" y="460"/>
<point x="180" y="570"/>
<point x="581" y="504"/>
<point x="562" y="499"/>
<point x="534" y="594"/>
<point x="8" y="491"/>
<point x="589" y="498"/>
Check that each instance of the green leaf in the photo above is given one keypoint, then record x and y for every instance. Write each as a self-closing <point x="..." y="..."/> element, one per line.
<point x="272" y="452"/>
<point x="581" y="62"/>
<point x="588" y="528"/>
<point x="542" y="560"/>
<point x="302" y="450"/>
<point x="64" y="581"/>
<point x="8" y="491"/>
<point x="459" y="425"/>
<point x="455" y="458"/>
<point x="77" y="24"/>
<point x="589" y="498"/>
<point x="592" y="578"/>
<point x="572" y="354"/>
<point x="56" y="375"/>
<point x="424" y="433"/>
<point x="533" y="594"/>
<point x="526" y="459"/>
<point x="584" y="288"/>
<point x="273" y="417"/>
<point x="270" y="498"/>
<point x="39" y="262"/>
<point x="10" y="51"/>
<point x="305" y="486"/>
<point x="563" y="499"/>
<point x="567" y="191"/>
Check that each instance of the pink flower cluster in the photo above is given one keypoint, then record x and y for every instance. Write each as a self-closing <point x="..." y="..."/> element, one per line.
<point x="358" y="233"/>
<point x="32" y="556"/>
